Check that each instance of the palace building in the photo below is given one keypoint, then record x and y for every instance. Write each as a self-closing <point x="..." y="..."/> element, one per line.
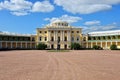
<point x="59" y="34"/>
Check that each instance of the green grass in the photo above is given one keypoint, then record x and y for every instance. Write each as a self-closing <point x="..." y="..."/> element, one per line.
<point x="58" y="51"/>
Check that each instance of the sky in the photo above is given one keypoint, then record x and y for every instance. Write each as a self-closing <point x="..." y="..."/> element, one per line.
<point x="24" y="16"/>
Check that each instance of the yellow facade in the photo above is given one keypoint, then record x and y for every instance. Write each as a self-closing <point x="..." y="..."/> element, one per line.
<point x="103" y="39"/>
<point x="59" y="35"/>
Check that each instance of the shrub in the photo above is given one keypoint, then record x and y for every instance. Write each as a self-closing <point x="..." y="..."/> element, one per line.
<point x="41" y="46"/>
<point x="95" y="47"/>
<point x="75" y="46"/>
<point x="113" y="47"/>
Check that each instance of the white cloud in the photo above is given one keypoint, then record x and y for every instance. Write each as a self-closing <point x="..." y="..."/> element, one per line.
<point x="24" y="7"/>
<point x="42" y="7"/>
<point x="20" y="13"/>
<point x="69" y="19"/>
<point x="94" y="22"/>
<point x="92" y="28"/>
<point x="86" y="6"/>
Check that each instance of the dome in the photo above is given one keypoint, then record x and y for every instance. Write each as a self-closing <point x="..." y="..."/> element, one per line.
<point x="59" y="23"/>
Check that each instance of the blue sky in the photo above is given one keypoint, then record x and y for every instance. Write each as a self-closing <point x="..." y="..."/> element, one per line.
<point x="24" y="16"/>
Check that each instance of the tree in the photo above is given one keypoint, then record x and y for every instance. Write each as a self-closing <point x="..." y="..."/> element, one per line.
<point x="113" y="47"/>
<point x="95" y="47"/>
<point x="41" y="46"/>
<point x="75" y="46"/>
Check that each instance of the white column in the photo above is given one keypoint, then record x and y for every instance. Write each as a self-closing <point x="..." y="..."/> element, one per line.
<point x="63" y="35"/>
<point x="49" y="36"/>
<point x="101" y="43"/>
<point x="54" y="36"/>
<point x="96" y="42"/>
<point x="111" y="43"/>
<point x="106" y="45"/>
<point x="11" y="44"/>
<point x="68" y="35"/>
<point x="87" y="45"/>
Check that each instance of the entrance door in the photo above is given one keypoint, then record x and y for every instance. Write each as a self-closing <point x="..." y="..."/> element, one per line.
<point x="58" y="47"/>
<point x="65" y="46"/>
<point x="52" y="46"/>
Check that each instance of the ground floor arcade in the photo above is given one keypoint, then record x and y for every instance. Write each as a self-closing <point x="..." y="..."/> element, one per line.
<point x="17" y="44"/>
<point x="103" y="44"/>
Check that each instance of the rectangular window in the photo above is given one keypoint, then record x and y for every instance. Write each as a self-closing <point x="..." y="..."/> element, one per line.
<point x="52" y="39"/>
<point x="40" y="38"/>
<point x="65" y="39"/>
<point x="33" y="39"/>
<point x="52" y="31"/>
<point x="77" y="38"/>
<point x="45" y="38"/>
<point x="72" y="38"/>
<point x="77" y="31"/>
<point x="40" y="31"/>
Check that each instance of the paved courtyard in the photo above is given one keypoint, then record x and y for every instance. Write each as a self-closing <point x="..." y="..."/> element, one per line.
<point x="73" y="65"/>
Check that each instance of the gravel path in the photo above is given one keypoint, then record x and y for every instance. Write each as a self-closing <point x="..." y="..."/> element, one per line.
<point x="73" y="65"/>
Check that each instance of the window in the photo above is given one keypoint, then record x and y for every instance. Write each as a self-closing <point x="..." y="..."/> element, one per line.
<point x="84" y="39"/>
<point x="72" y="31"/>
<point x="40" y="38"/>
<point x="52" y="46"/>
<point x="98" y="38"/>
<point x="66" y="24"/>
<point x="77" y="38"/>
<point x="65" y="39"/>
<point x="40" y="31"/>
<point x="58" y="31"/>
<point x="58" y="39"/>
<point x="113" y="37"/>
<point x="77" y="31"/>
<point x="89" y="38"/>
<point x="45" y="31"/>
<point x="62" y="24"/>
<point x="52" y="39"/>
<point x="33" y="39"/>
<point x="72" y="38"/>
<point x="65" y="31"/>
<point x="109" y="37"/>
<point x="94" y="38"/>
<point x="45" y="38"/>
<point x="52" y="31"/>
<point x="104" y="37"/>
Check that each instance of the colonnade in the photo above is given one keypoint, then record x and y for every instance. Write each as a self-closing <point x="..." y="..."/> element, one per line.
<point x="17" y="44"/>
<point x="62" y="35"/>
<point x="103" y="44"/>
